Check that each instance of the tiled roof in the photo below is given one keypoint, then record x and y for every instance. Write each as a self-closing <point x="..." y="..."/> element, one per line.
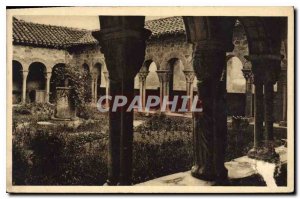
<point x="48" y="35"/>
<point x="28" y="33"/>
<point x="166" y="26"/>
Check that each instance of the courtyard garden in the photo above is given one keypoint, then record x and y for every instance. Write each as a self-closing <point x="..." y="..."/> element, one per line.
<point x="47" y="152"/>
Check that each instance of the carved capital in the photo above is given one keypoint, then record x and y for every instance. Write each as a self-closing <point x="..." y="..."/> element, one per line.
<point x="247" y="74"/>
<point x="48" y="75"/>
<point x="266" y="68"/>
<point x="163" y="75"/>
<point x="122" y="41"/>
<point x="208" y="64"/>
<point x="143" y="75"/>
<point x="25" y="73"/>
<point x="189" y="76"/>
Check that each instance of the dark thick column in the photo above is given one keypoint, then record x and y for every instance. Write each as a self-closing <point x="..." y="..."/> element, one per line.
<point x="249" y="81"/>
<point x="210" y="130"/>
<point x="211" y="38"/>
<point x="122" y="41"/>
<point x="283" y="90"/>
<point x="272" y="71"/>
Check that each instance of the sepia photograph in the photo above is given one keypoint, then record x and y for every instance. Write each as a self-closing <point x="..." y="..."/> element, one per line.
<point x="150" y="100"/>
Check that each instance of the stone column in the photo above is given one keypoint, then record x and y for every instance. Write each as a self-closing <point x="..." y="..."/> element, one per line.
<point x="106" y="76"/>
<point x="47" y="77"/>
<point x="93" y="87"/>
<point x="122" y="40"/>
<point x="211" y="38"/>
<point x="189" y="78"/>
<point x="164" y="78"/>
<point x="283" y="77"/>
<point x="258" y="73"/>
<point x="24" y="86"/>
<point x="142" y="83"/>
<point x="210" y="126"/>
<point x="249" y="81"/>
<point x="265" y="70"/>
<point x="272" y="71"/>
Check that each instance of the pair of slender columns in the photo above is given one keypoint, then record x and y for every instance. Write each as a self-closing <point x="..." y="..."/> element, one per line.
<point x="142" y="84"/>
<point x="249" y="81"/>
<point x="265" y="73"/>
<point x="189" y="78"/>
<point x="122" y="40"/>
<point x="164" y="79"/>
<point x="24" y="86"/>
<point x="106" y="76"/>
<point x="94" y="87"/>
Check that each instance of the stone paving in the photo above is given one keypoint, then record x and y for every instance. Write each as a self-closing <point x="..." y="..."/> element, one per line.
<point x="238" y="168"/>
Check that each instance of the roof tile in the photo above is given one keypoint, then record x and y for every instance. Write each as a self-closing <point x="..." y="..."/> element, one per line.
<point x="29" y="33"/>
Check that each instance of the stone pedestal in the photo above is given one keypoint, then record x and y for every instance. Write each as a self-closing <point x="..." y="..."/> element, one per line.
<point x="40" y="96"/>
<point x="64" y="109"/>
<point x="122" y="39"/>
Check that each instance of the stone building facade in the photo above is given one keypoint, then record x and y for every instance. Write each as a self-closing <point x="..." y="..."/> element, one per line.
<point x="167" y="70"/>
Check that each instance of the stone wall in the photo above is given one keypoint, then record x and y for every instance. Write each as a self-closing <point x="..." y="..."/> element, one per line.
<point x="27" y="55"/>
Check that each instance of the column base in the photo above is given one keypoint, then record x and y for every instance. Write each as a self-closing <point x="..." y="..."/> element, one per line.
<point x="208" y="174"/>
<point x="283" y="123"/>
<point x="266" y="152"/>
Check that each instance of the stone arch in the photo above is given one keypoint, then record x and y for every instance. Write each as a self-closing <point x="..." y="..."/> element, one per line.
<point x="36" y="82"/>
<point x="154" y="59"/>
<point x="58" y="79"/>
<point x="57" y="62"/>
<point x="152" y="80"/>
<point x="172" y="55"/>
<point x="177" y="79"/>
<point x="85" y="67"/>
<point x="260" y="34"/>
<point x="48" y="66"/>
<point x="17" y="81"/>
<point x="236" y="82"/>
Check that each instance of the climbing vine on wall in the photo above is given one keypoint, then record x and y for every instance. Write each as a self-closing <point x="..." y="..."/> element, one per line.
<point x="80" y="81"/>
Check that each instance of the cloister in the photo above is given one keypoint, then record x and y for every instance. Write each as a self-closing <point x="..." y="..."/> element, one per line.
<point x="170" y="56"/>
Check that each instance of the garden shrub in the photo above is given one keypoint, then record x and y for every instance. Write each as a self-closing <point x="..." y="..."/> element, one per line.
<point x="20" y="166"/>
<point x="33" y="112"/>
<point x="162" y="145"/>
